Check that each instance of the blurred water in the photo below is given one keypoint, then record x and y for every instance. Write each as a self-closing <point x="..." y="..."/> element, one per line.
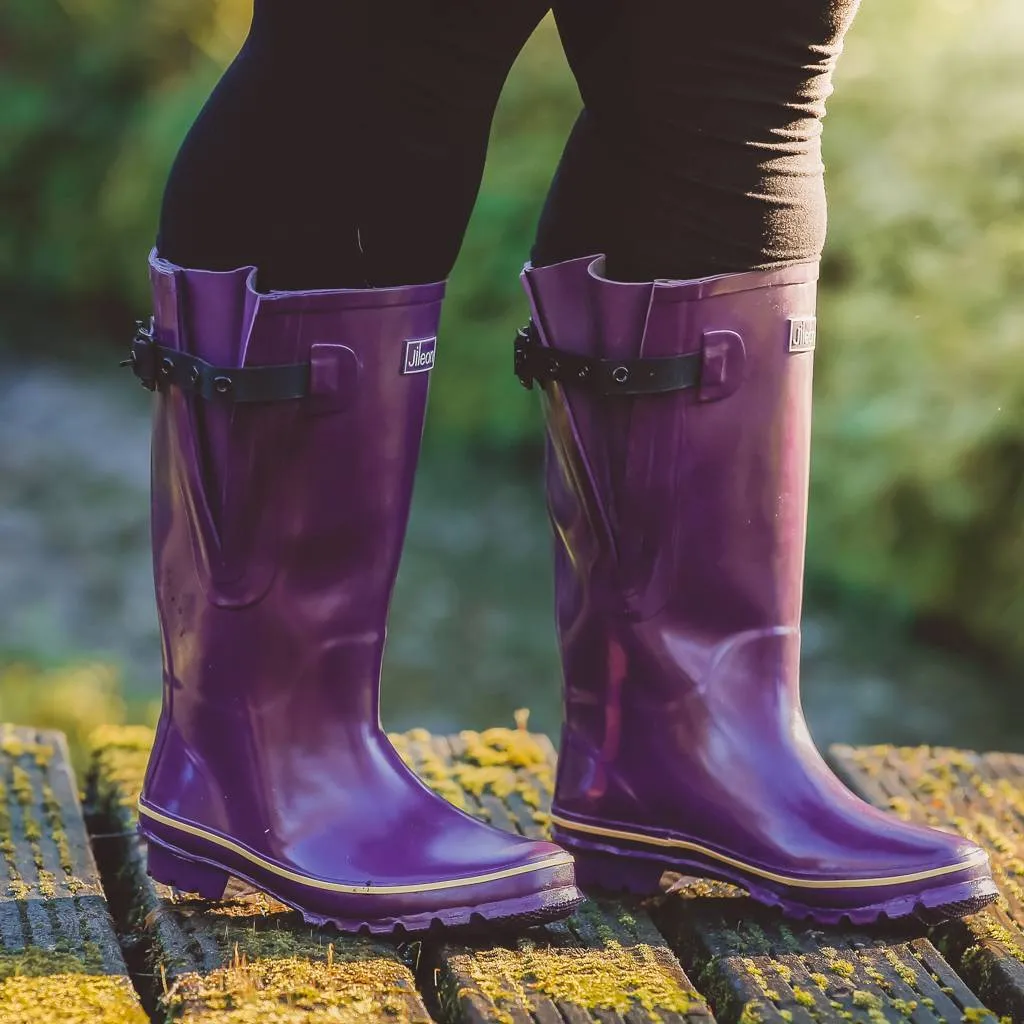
<point x="471" y="635"/>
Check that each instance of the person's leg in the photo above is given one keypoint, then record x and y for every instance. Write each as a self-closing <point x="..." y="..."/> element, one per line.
<point x="699" y="151"/>
<point x="345" y="144"/>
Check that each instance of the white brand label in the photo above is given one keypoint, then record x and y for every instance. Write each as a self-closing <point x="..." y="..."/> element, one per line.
<point x="802" y="332"/>
<point x="419" y="355"/>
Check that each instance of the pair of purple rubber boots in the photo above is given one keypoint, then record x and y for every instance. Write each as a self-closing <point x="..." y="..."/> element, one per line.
<point x="286" y="434"/>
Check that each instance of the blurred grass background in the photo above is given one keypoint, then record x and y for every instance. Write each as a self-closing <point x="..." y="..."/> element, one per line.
<point x="918" y="472"/>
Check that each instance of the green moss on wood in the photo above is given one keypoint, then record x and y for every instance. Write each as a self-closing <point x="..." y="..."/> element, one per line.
<point x="55" y="827"/>
<point x="18" y="890"/>
<point x="14" y="746"/>
<point x="40" y="986"/>
<point x="752" y="970"/>
<point x="33" y="833"/>
<point x="905" y="973"/>
<point x="753" y="1013"/>
<point x="70" y="999"/>
<point x="119" y="755"/>
<point x="341" y="989"/>
<point x="21" y="785"/>
<point x="36" y="962"/>
<point x="497" y="762"/>
<point x="986" y="927"/>
<point x="613" y="978"/>
<point x="842" y="967"/>
<point x="17" y="752"/>
<point x="430" y="768"/>
<point x="866" y="1000"/>
<point x="71" y="981"/>
<point x="802" y="996"/>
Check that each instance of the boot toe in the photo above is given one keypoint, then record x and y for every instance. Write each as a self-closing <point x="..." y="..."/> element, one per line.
<point x="456" y="871"/>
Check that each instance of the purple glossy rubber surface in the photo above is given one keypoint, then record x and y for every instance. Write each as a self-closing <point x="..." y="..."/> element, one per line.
<point x="277" y="530"/>
<point x="679" y="524"/>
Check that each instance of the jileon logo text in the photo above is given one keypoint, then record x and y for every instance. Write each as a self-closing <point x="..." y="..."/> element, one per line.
<point x="419" y="355"/>
<point x="802" y="333"/>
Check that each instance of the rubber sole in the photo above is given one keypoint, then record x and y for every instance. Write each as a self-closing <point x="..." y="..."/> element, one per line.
<point x="206" y="878"/>
<point x="641" y="876"/>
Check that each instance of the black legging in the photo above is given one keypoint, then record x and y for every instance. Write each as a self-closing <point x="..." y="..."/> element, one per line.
<point x="344" y="146"/>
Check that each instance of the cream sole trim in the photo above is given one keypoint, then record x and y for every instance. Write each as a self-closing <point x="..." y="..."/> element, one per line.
<point x="355" y="890"/>
<point x="802" y="883"/>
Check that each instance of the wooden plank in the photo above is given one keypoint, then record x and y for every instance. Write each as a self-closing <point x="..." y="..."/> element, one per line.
<point x="606" y="964"/>
<point x="754" y="966"/>
<point x="59" y="955"/>
<point x="242" y="959"/>
<point x="981" y="796"/>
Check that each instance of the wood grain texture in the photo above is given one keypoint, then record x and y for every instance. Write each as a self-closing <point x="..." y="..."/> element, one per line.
<point x="59" y="955"/>
<point x="981" y="796"/>
<point x="754" y="966"/>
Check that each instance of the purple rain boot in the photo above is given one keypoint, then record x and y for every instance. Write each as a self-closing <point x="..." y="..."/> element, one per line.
<point x="678" y="418"/>
<point x="286" y="434"/>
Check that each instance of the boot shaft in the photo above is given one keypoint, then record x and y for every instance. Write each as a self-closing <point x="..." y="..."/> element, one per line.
<point x="693" y="499"/>
<point x="680" y="514"/>
<point x="277" y="526"/>
<point x="277" y="529"/>
<point x="679" y="520"/>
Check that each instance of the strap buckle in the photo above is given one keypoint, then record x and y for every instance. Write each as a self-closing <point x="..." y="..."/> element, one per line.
<point x="536" y="362"/>
<point x="524" y="345"/>
<point x="156" y="365"/>
<point x="142" y="357"/>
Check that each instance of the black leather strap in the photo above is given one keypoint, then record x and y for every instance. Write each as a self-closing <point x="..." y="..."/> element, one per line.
<point x="156" y="365"/>
<point x="536" y="362"/>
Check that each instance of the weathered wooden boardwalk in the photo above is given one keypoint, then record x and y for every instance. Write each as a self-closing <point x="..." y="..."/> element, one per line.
<point x="73" y="948"/>
<point x="59" y="954"/>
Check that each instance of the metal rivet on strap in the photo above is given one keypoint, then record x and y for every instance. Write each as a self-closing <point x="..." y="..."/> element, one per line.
<point x="222" y="385"/>
<point x="166" y="366"/>
<point x="195" y="376"/>
<point x="620" y="374"/>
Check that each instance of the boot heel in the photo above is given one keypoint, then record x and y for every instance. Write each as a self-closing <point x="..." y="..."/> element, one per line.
<point x="187" y="875"/>
<point x="612" y="872"/>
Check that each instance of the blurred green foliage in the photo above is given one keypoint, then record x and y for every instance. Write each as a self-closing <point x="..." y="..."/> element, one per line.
<point x="96" y="94"/>
<point x="918" y="485"/>
<point x="73" y="698"/>
<point x="919" y="453"/>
